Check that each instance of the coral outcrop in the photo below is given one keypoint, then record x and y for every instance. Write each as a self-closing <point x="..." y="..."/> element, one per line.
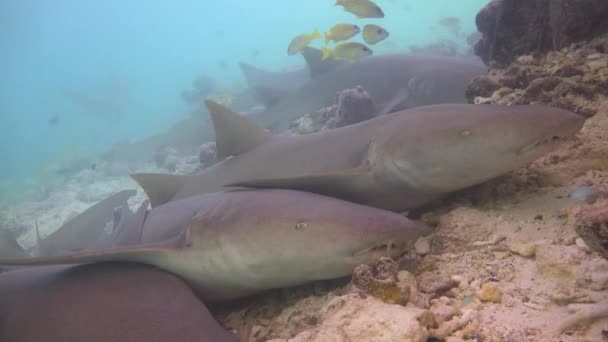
<point x="574" y="78"/>
<point x="512" y="28"/>
<point x="351" y="106"/>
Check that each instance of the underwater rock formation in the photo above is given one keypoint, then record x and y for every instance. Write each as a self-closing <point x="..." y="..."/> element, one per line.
<point x="592" y="226"/>
<point x="512" y="28"/>
<point x="575" y="78"/>
<point x="166" y="157"/>
<point x="207" y="154"/>
<point x="352" y="106"/>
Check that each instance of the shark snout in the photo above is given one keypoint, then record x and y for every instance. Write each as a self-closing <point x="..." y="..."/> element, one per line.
<point x="390" y="238"/>
<point x="554" y="131"/>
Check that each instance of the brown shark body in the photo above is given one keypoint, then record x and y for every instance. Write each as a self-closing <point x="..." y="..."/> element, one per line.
<point x="397" y="161"/>
<point x="231" y="244"/>
<point x="103" y="302"/>
<point x="290" y="80"/>
<point x="392" y="81"/>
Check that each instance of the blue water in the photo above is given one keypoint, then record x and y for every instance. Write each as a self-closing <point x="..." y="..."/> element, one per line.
<point x="148" y="51"/>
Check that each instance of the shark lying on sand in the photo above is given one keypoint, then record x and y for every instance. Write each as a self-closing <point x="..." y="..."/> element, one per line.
<point x="232" y="244"/>
<point x="85" y="229"/>
<point x="274" y="79"/>
<point x="398" y="161"/>
<point x="393" y="82"/>
<point x="293" y="79"/>
<point x="103" y="302"/>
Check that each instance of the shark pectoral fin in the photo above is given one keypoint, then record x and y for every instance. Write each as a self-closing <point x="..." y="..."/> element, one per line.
<point x="234" y="134"/>
<point x="138" y="253"/>
<point x="129" y="229"/>
<point x="159" y="187"/>
<point x="343" y="184"/>
<point x="269" y="96"/>
<point x="390" y="106"/>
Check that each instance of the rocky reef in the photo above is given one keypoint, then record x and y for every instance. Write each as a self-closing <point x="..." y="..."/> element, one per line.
<point x="351" y="106"/>
<point x="520" y="258"/>
<point x="512" y="28"/>
<point x="207" y="154"/>
<point x="521" y="246"/>
<point x="573" y="78"/>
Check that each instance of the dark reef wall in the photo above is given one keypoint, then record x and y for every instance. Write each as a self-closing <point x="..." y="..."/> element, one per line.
<point x="513" y="28"/>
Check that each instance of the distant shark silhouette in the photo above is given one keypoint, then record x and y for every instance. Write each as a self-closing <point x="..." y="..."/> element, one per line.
<point x="106" y="104"/>
<point x="394" y="82"/>
<point x="270" y="86"/>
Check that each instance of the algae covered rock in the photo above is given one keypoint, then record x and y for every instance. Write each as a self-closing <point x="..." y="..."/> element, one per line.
<point x="352" y="318"/>
<point x="592" y="226"/>
<point x="511" y="28"/>
<point x="351" y="106"/>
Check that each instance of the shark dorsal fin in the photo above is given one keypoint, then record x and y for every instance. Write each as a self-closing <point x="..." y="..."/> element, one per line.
<point x="159" y="187"/>
<point x="316" y="65"/>
<point x="269" y="96"/>
<point x="234" y="134"/>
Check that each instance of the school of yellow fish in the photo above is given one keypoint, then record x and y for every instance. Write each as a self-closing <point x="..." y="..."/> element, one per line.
<point x="340" y="33"/>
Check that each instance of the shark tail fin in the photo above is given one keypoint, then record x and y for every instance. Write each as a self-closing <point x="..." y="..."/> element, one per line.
<point x="160" y="188"/>
<point x="9" y="246"/>
<point x="145" y="253"/>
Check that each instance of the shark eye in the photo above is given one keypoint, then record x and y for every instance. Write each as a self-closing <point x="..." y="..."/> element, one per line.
<point x="301" y="226"/>
<point x="466" y="133"/>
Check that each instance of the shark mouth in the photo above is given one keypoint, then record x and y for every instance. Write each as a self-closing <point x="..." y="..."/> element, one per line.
<point x="382" y="249"/>
<point x="548" y="141"/>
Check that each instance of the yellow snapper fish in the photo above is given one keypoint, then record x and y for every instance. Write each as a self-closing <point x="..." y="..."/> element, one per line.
<point x="224" y="98"/>
<point x="300" y="42"/>
<point x="373" y="34"/>
<point x="361" y="8"/>
<point x="341" y="32"/>
<point x="348" y="51"/>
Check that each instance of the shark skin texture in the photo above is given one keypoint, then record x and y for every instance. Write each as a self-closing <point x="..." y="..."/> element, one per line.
<point x="398" y="162"/>
<point x="219" y="243"/>
<point x="124" y="302"/>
